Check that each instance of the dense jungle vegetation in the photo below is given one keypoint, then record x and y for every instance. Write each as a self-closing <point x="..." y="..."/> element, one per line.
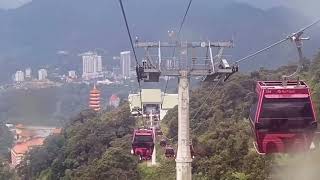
<point x="97" y="146"/>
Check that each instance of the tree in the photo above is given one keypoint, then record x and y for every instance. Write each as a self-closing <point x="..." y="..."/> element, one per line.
<point x="91" y="144"/>
<point x="6" y="140"/>
<point x="5" y="172"/>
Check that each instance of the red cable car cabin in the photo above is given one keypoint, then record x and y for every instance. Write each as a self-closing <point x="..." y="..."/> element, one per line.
<point x="169" y="152"/>
<point x="143" y="143"/>
<point x="163" y="142"/>
<point x="283" y="118"/>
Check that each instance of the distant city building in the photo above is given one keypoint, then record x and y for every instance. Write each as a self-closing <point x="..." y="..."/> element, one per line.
<point x="19" y="76"/>
<point x="28" y="73"/>
<point x="42" y="74"/>
<point x="72" y="74"/>
<point x="116" y="71"/>
<point x="106" y="81"/>
<point x="92" y="65"/>
<point x="99" y="64"/>
<point x="114" y="101"/>
<point x="94" y="99"/>
<point x="125" y="63"/>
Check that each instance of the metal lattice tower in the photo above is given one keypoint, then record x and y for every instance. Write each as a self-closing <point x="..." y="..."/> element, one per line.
<point x="209" y="66"/>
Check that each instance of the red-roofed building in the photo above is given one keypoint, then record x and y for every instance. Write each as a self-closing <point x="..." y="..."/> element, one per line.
<point x="28" y="137"/>
<point x="56" y="131"/>
<point x="20" y="149"/>
<point x="23" y="134"/>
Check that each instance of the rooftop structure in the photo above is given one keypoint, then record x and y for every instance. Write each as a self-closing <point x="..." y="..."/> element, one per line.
<point x="23" y="133"/>
<point x="28" y="137"/>
<point x="20" y="149"/>
<point x="152" y="100"/>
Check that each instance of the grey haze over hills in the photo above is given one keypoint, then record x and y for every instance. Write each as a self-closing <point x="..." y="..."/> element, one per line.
<point x="307" y="7"/>
<point x="33" y="33"/>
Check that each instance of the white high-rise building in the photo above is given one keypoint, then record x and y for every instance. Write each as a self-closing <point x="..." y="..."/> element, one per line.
<point x="42" y="74"/>
<point x="125" y="63"/>
<point x="19" y="76"/>
<point x="28" y="73"/>
<point x="98" y="64"/>
<point x="72" y="74"/>
<point x="92" y="65"/>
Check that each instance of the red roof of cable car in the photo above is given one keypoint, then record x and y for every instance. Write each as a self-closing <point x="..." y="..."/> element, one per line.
<point x="143" y="132"/>
<point x="265" y="139"/>
<point x="276" y="89"/>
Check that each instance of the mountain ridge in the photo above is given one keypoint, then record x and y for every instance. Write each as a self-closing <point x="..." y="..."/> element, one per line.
<point x="32" y="34"/>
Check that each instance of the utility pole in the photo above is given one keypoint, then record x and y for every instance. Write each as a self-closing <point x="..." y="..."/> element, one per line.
<point x="154" y="154"/>
<point x="209" y="66"/>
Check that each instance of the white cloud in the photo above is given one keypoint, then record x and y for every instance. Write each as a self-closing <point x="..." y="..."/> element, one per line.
<point x="10" y="4"/>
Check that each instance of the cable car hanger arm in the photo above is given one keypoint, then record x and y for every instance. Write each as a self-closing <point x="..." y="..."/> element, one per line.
<point x="294" y="36"/>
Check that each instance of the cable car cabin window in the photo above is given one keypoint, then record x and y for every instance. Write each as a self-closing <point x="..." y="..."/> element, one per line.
<point x="287" y="108"/>
<point x="253" y="111"/>
<point x="143" y="139"/>
<point x="253" y="108"/>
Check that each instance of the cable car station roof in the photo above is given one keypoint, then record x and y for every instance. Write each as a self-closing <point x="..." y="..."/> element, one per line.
<point x="153" y="96"/>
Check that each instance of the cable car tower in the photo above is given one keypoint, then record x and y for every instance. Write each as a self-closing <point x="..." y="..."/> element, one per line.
<point x="212" y="68"/>
<point x="295" y="38"/>
<point x="209" y="66"/>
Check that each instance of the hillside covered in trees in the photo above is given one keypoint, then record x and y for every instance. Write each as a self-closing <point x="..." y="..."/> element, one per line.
<point x="51" y="106"/>
<point x="55" y="105"/>
<point x="97" y="146"/>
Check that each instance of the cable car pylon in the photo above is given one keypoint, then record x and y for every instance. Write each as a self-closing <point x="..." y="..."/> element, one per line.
<point x="294" y="37"/>
<point x="154" y="154"/>
<point x="184" y="68"/>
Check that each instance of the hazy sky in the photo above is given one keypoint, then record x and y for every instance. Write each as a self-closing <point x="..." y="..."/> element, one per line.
<point x="307" y="7"/>
<point x="259" y="3"/>
<point x="265" y="3"/>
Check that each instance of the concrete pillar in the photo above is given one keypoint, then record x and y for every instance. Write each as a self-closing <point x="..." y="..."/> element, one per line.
<point x="154" y="154"/>
<point x="183" y="160"/>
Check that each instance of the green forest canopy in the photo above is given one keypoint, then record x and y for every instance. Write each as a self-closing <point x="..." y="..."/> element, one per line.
<point x="97" y="146"/>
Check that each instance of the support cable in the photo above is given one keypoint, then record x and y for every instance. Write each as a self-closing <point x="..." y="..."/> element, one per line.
<point x="293" y="37"/>
<point x="206" y="99"/>
<point x="133" y="49"/>
<point x="184" y="18"/>
<point x="178" y="35"/>
<point x="198" y="126"/>
<point x="260" y="51"/>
